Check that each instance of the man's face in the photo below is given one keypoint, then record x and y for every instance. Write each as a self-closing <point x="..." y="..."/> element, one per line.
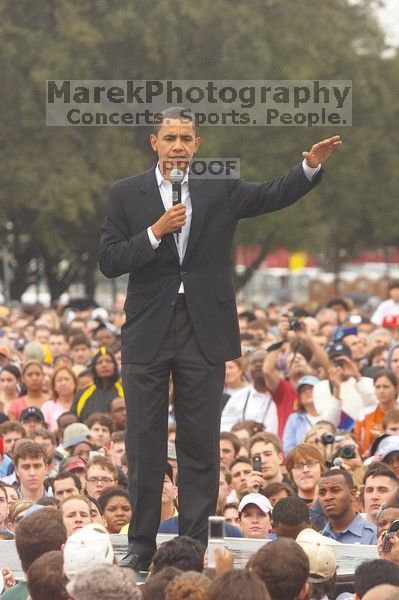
<point x="75" y="514"/>
<point x="256" y="364"/>
<point x="117" y="451"/>
<point x="306" y="474"/>
<point x="297" y="365"/>
<point x="47" y="445"/>
<point x="57" y="345"/>
<point x="394" y="294"/>
<point x="395" y="362"/>
<point x="42" y="335"/>
<point x="224" y="489"/>
<point x="118" y="413"/>
<point x="98" y="480"/>
<point x="100" y="435"/>
<point x="81" y="354"/>
<point x="9" y="440"/>
<point x="335" y="496"/>
<point x="3" y="506"/>
<point x="31" y="472"/>
<point x="176" y="143"/>
<point x="231" y="516"/>
<point x="239" y="474"/>
<point x="254" y="523"/>
<point x="357" y="346"/>
<point x="168" y="491"/>
<point x="64" y="488"/>
<point x="227" y="454"/>
<point x="31" y="424"/>
<point x="271" y="459"/>
<point x="377" y="491"/>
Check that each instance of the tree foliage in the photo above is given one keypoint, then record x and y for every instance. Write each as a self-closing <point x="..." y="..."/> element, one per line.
<point x="54" y="180"/>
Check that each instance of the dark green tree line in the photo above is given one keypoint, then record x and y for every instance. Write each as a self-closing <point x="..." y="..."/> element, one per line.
<point x="54" y="180"/>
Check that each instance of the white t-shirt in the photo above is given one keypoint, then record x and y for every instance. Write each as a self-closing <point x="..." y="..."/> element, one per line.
<point x="249" y="404"/>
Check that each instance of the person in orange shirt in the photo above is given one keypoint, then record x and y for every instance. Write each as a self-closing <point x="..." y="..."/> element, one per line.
<point x="368" y="428"/>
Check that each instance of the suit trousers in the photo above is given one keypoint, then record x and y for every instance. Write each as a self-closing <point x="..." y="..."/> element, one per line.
<point x="197" y="394"/>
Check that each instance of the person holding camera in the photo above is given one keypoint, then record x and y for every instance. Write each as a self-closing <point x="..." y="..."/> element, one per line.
<point x="302" y="420"/>
<point x="292" y="352"/>
<point x="344" y="387"/>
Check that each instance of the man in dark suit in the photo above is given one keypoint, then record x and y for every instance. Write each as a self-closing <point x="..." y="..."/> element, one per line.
<point x="181" y="316"/>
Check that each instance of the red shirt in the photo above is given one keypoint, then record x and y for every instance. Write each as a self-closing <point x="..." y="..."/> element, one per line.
<point x="286" y="398"/>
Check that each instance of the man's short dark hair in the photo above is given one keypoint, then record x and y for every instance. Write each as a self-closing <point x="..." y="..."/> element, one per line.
<point x="338" y="302"/>
<point x="183" y="552"/>
<point x="117" y="437"/>
<point x="38" y="533"/>
<point x="46" y="579"/>
<point x="31" y="450"/>
<point x="175" y="112"/>
<point x="238" y="585"/>
<point x="291" y="511"/>
<point x="275" y="487"/>
<point x="68" y="475"/>
<point x="45" y="434"/>
<point x="266" y="438"/>
<point x="240" y="459"/>
<point x="12" y="426"/>
<point x="371" y="573"/>
<point x="101" y="418"/>
<point x="155" y="586"/>
<point x="345" y="474"/>
<point x="380" y="469"/>
<point x="233" y="438"/>
<point x="283" y="567"/>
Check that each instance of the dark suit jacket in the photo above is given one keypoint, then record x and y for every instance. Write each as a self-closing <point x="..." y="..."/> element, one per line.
<point x="155" y="275"/>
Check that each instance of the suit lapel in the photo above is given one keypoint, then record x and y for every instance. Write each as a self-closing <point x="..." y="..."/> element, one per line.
<point x="198" y="204"/>
<point x="153" y="205"/>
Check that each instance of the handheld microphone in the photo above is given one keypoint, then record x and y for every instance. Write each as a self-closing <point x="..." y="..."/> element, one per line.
<point x="337" y="463"/>
<point x="176" y="176"/>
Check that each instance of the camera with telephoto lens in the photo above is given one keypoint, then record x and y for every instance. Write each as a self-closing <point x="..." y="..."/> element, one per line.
<point x="348" y="451"/>
<point x="327" y="438"/>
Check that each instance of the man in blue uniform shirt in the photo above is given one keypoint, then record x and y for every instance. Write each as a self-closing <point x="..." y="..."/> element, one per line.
<point x="337" y="493"/>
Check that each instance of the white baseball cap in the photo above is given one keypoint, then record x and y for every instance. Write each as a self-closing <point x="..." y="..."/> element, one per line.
<point x="319" y="551"/>
<point x="259" y="500"/>
<point x="89" y="546"/>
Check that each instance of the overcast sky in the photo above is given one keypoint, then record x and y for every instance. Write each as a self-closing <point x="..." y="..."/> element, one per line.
<point x="389" y="17"/>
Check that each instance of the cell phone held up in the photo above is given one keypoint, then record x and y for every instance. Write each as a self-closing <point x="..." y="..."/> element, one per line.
<point x="257" y="464"/>
<point x="388" y="535"/>
<point x="215" y="539"/>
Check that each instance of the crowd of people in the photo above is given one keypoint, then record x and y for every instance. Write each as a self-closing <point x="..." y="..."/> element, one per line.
<point x="309" y="456"/>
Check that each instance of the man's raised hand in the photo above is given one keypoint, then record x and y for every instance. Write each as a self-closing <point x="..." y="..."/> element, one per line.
<point x="321" y="151"/>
